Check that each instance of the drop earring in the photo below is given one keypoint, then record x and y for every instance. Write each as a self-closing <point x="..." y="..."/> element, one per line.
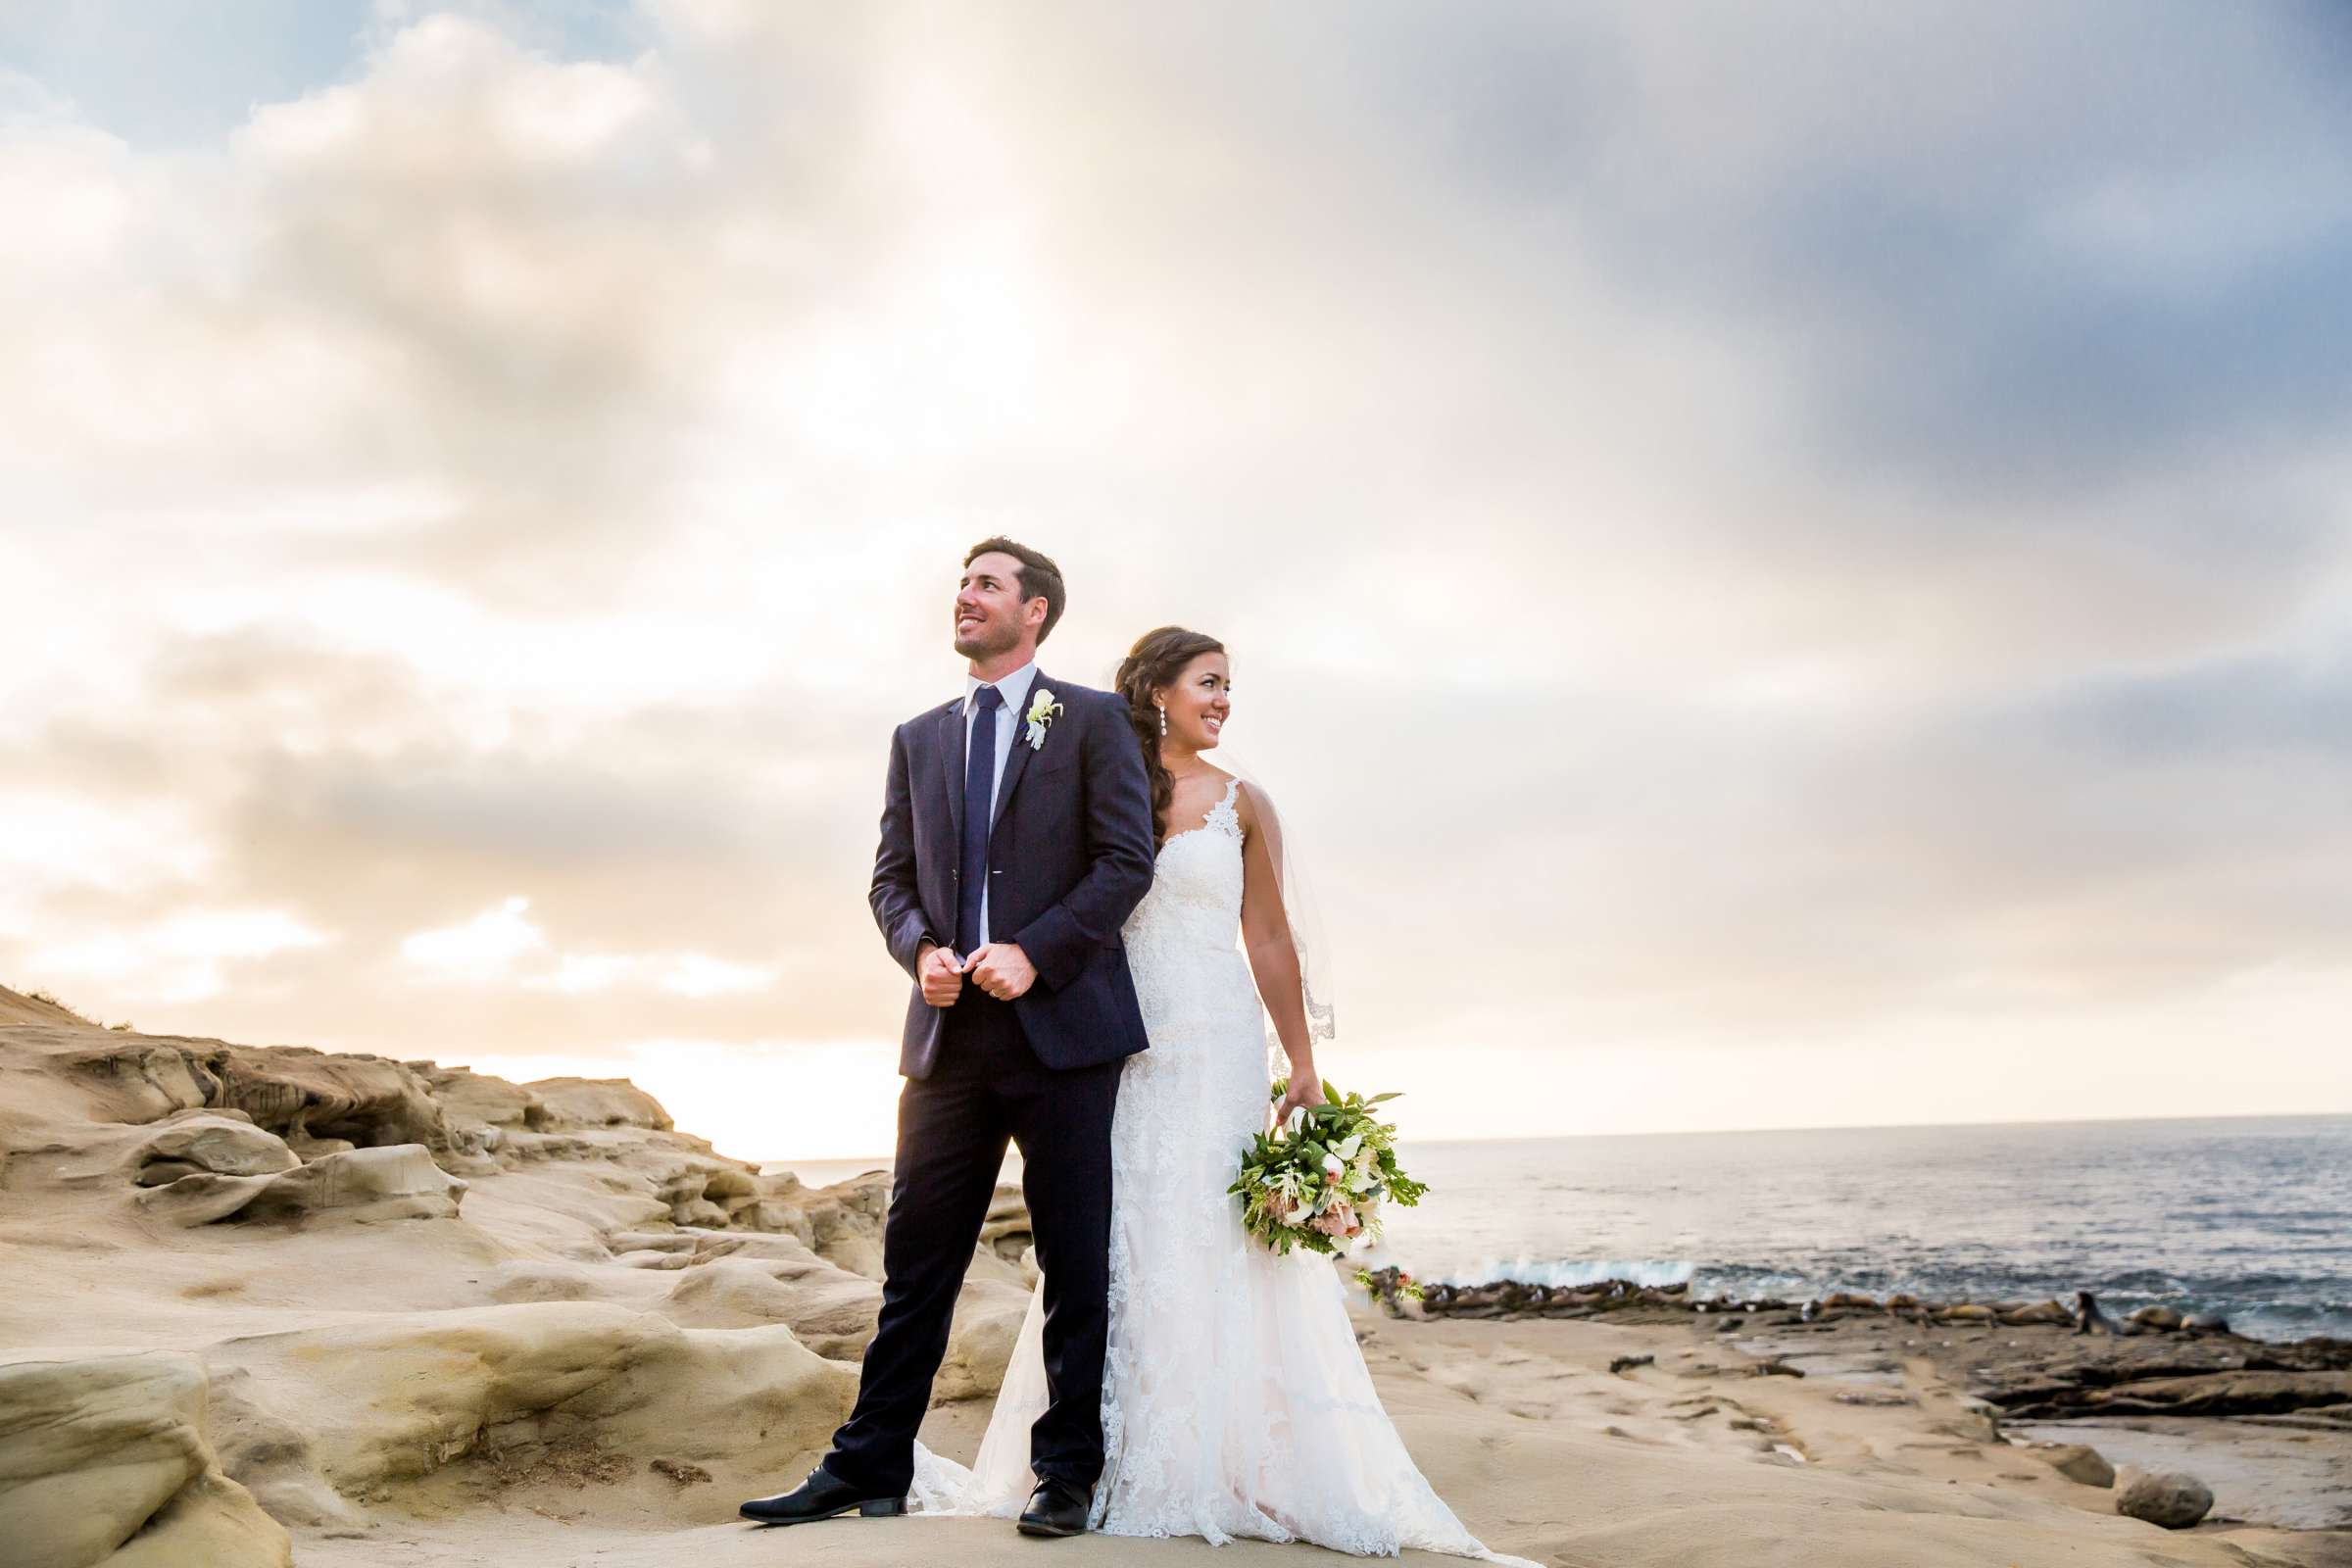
<point x="1164" y="723"/>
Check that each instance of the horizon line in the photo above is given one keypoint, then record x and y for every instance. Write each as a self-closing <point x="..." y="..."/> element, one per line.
<point x="882" y="1160"/>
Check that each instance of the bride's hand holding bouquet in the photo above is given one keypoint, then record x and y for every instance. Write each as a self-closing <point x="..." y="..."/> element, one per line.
<point x="1301" y="1091"/>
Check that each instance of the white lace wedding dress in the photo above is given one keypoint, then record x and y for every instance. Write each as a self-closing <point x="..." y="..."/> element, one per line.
<point x="1235" y="1400"/>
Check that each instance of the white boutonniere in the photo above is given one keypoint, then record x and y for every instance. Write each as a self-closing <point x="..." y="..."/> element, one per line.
<point x="1042" y="711"/>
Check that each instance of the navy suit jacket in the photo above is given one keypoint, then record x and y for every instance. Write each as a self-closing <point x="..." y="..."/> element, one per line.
<point x="1070" y="854"/>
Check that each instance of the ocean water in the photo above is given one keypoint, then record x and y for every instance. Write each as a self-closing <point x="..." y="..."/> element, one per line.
<point x="2247" y="1216"/>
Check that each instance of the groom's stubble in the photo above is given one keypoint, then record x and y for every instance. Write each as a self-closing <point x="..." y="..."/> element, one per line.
<point x="987" y="640"/>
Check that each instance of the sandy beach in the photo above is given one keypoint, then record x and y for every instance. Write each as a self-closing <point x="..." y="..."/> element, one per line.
<point x="272" y="1306"/>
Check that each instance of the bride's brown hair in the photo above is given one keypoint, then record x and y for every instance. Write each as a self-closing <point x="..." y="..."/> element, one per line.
<point x="1157" y="658"/>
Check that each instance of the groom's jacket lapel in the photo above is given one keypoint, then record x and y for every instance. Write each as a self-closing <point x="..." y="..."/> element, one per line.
<point x="1018" y="763"/>
<point x="951" y="770"/>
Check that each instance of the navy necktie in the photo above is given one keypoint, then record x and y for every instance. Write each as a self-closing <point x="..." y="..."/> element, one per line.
<point x="979" y="796"/>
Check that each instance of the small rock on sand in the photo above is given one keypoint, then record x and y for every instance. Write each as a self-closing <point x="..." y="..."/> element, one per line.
<point x="2078" y="1462"/>
<point x="2173" y="1499"/>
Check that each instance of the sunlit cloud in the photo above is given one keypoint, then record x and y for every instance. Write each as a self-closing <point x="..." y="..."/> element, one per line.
<point x="696" y="974"/>
<point x="185" y="957"/>
<point x="504" y="945"/>
<point x="686" y="974"/>
<point x="52" y="842"/>
<point x="578" y="972"/>
<point x="481" y="949"/>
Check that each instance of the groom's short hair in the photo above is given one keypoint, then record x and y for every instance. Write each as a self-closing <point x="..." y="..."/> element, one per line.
<point x="1039" y="577"/>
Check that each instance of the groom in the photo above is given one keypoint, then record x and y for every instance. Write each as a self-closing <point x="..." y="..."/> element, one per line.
<point x="1017" y="836"/>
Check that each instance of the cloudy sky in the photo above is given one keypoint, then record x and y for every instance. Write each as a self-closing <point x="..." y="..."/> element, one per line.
<point x="1794" y="565"/>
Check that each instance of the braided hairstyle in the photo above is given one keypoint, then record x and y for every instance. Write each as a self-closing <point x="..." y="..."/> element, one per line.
<point x="1157" y="658"/>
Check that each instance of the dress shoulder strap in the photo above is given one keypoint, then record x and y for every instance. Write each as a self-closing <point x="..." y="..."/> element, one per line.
<point x="1223" y="814"/>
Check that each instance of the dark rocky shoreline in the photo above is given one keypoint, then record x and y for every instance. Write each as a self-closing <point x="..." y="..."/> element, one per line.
<point x="2038" y="1361"/>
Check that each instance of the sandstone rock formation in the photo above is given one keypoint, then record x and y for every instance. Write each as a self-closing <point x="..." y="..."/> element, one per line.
<point x="444" y="1387"/>
<point x="106" y="1460"/>
<point x="395" y="1290"/>
<point x="362" y="1186"/>
<point x="223" y="1143"/>
<point x="598" y="1102"/>
<point x="314" y="1100"/>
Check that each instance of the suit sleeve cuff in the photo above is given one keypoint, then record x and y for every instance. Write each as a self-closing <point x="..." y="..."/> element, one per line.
<point x="1049" y="944"/>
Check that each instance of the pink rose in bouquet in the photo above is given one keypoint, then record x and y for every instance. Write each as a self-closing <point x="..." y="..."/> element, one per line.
<point x="1338" y="1222"/>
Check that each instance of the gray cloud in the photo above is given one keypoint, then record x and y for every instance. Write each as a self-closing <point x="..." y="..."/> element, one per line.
<point x="2266" y="708"/>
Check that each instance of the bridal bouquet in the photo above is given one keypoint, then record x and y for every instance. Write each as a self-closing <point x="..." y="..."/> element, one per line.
<point x="1319" y="1179"/>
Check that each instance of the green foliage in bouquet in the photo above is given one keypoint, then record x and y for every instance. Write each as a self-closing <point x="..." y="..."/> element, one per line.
<point x="1321" y="1181"/>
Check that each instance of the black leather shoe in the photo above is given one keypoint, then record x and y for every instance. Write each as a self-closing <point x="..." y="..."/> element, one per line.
<point x="823" y="1496"/>
<point x="1057" y="1507"/>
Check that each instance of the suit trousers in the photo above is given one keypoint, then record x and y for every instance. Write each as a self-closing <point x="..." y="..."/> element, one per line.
<point x="987" y="1087"/>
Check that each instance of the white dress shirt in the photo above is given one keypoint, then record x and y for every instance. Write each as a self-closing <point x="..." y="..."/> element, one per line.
<point x="1015" y="689"/>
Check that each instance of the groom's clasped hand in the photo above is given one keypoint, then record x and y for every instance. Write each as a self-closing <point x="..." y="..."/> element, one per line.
<point x="1000" y="968"/>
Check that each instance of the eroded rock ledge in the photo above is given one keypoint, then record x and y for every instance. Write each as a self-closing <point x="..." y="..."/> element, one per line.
<point x="333" y="1293"/>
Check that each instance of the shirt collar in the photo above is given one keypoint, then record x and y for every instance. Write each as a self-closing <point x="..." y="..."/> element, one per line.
<point x="1013" y="688"/>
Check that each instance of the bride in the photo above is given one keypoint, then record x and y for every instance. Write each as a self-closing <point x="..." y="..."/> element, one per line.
<point x="1235" y="1400"/>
